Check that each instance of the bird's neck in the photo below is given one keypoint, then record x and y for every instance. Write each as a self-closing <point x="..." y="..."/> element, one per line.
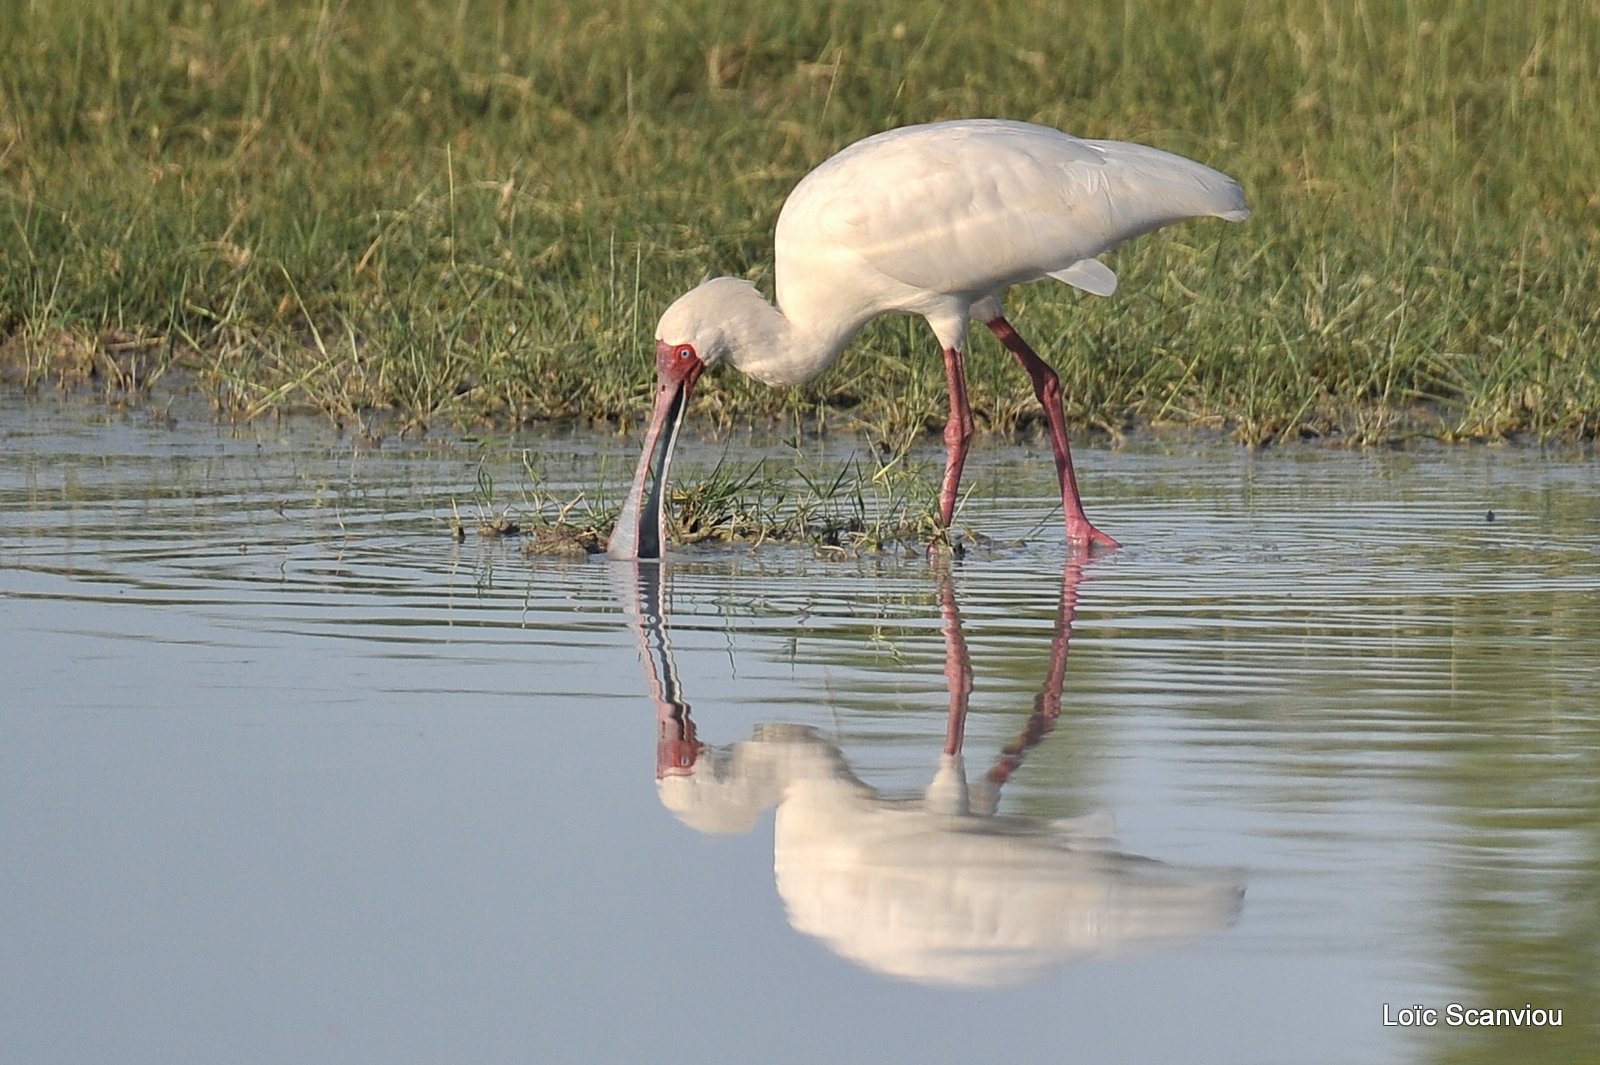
<point x="777" y="349"/>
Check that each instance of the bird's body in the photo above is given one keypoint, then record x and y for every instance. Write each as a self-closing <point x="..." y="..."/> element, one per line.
<point x="935" y="220"/>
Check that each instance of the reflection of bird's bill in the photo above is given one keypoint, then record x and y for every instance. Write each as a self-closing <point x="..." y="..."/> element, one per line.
<point x="640" y="588"/>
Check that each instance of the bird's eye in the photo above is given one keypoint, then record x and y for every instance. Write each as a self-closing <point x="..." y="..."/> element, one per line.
<point x="685" y="351"/>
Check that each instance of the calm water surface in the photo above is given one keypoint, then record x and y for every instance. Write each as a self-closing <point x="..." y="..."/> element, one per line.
<point x="287" y="775"/>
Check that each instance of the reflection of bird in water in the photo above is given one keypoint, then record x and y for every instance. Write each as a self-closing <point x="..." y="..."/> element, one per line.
<point x="938" y="889"/>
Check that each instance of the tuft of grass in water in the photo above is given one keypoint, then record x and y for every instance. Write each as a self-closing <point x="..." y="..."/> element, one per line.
<point x="848" y="508"/>
<point x="458" y="214"/>
<point x="492" y="519"/>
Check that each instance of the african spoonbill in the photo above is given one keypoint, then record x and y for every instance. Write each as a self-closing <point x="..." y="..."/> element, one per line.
<point x="935" y="220"/>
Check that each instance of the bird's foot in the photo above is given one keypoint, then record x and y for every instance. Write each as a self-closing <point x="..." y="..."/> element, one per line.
<point x="1085" y="537"/>
<point x="945" y="545"/>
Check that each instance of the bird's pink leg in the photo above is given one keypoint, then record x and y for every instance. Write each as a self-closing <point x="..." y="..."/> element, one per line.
<point x="957" y="434"/>
<point x="1047" y="386"/>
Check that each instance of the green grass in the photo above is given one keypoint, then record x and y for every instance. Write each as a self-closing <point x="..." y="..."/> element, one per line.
<point x="453" y="214"/>
<point x="887" y="501"/>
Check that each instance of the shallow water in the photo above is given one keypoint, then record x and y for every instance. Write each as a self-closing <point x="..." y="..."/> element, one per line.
<point x="286" y="774"/>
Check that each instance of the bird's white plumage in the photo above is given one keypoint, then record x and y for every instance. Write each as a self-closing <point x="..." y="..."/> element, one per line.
<point x="929" y="219"/>
<point x="1091" y="275"/>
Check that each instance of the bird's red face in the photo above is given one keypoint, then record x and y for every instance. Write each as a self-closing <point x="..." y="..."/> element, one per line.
<point x="639" y="531"/>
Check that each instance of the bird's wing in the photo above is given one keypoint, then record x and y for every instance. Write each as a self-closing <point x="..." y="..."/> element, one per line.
<point x="972" y="207"/>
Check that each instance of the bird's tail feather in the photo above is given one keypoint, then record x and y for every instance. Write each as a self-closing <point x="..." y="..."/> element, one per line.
<point x="1170" y="187"/>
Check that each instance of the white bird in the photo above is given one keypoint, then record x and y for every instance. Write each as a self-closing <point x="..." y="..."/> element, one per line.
<point x="936" y="220"/>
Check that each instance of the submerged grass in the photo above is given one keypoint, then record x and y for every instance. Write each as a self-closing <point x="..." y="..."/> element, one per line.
<point x="453" y="214"/>
<point x="848" y="508"/>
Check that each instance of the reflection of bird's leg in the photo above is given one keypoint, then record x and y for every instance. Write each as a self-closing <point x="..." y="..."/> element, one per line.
<point x="1047" y="704"/>
<point x="1047" y="387"/>
<point x="948" y="793"/>
<point x="957" y="665"/>
<point x="957" y="434"/>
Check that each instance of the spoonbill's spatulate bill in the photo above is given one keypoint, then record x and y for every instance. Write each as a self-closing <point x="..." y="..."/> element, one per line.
<point x="936" y="220"/>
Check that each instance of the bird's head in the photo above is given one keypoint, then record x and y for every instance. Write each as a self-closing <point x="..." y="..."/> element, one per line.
<point x="695" y="332"/>
<point x="710" y="320"/>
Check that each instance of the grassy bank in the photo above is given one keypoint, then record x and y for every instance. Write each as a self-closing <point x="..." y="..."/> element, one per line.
<point x="455" y="213"/>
